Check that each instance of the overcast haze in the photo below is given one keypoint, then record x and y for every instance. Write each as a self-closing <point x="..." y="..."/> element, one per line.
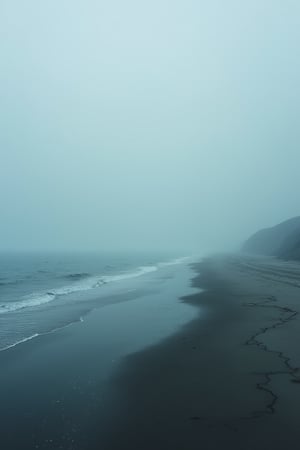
<point x="134" y="124"/>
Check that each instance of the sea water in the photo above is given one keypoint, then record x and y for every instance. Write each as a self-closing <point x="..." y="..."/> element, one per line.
<point x="42" y="292"/>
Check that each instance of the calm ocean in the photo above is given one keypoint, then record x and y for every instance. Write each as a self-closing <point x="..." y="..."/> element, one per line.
<point x="41" y="292"/>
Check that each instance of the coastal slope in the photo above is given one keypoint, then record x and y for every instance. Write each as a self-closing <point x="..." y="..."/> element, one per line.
<point x="282" y="240"/>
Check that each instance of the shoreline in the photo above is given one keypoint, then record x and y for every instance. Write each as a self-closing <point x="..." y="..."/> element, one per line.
<point x="72" y="303"/>
<point x="221" y="382"/>
<point x="216" y="369"/>
<point x="55" y="388"/>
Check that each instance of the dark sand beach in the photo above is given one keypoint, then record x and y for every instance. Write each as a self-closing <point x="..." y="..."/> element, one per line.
<point x="226" y="379"/>
<point x="229" y="382"/>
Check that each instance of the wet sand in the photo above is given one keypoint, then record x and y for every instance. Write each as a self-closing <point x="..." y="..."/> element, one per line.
<point x="56" y="390"/>
<point x="227" y="379"/>
<point x="227" y="382"/>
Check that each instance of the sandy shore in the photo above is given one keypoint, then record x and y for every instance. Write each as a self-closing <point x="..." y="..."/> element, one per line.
<point x="227" y="379"/>
<point x="227" y="382"/>
<point x="56" y="390"/>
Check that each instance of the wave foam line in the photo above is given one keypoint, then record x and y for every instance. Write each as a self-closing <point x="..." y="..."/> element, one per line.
<point x="91" y="283"/>
<point x="22" y="341"/>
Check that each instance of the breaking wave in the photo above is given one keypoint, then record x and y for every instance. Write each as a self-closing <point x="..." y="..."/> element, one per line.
<point x="82" y="282"/>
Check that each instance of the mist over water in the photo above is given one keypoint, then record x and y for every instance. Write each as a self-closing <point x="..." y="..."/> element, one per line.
<point x="133" y="125"/>
<point x="136" y="137"/>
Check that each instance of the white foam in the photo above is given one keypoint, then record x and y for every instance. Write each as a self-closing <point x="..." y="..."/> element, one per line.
<point x="143" y="270"/>
<point x="20" y="342"/>
<point x="173" y="262"/>
<point x="37" y="299"/>
<point x="33" y="300"/>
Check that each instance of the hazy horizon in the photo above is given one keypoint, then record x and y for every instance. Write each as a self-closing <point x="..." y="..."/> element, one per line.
<point x="138" y="126"/>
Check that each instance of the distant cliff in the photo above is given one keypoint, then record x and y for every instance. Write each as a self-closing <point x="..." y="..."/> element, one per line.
<point x="282" y="240"/>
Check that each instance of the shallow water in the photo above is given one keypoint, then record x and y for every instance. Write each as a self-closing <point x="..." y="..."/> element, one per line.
<point x="41" y="292"/>
<point x="59" y="386"/>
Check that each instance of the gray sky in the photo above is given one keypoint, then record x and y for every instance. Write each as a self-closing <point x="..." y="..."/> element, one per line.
<point x="134" y="124"/>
